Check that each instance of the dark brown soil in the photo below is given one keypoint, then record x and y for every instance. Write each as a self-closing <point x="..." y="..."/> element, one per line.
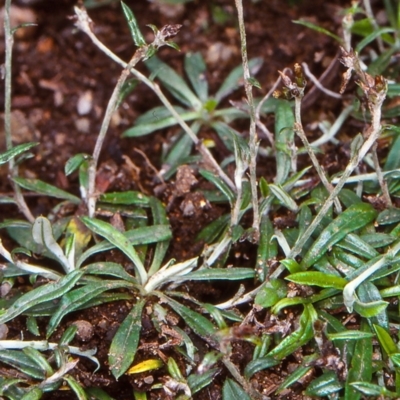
<point x="54" y="65"/>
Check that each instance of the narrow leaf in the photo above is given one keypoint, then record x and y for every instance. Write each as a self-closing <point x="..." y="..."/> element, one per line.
<point x="41" y="294"/>
<point x="15" y="151"/>
<point x="232" y="391"/>
<point x="74" y="163"/>
<point x="124" y="344"/>
<point x="229" y="274"/>
<point x="42" y="234"/>
<point x="258" y="365"/>
<point x="317" y="279"/>
<point x="77" y="298"/>
<point x="174" y="83"/>
<point x="137" y="36"/>
<point x="44" y="188"/>
<point x="199" y="324"/>
<point x="144" y="366"/>
<point x="118" y="240"/>
<point x="353" y="218"/>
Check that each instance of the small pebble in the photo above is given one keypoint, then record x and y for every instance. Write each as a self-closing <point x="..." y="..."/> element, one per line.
<point x="85" y="103"/>
<point x="85" y="330"/>
<point x="82" y="125"/>
<point x="3" y="331"/>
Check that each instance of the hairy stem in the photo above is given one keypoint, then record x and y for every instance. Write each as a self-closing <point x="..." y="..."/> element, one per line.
<point x="111" y="106"/>
<point x="12" y="167"/>
<point x="253" y="141"/>
<point x="300" y="132"/>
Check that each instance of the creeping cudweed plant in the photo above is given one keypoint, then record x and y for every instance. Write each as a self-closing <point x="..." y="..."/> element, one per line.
<point x="320" y="294"/>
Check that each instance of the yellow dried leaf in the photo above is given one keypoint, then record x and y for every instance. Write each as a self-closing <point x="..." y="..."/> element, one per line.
<point x="144" y="366"/>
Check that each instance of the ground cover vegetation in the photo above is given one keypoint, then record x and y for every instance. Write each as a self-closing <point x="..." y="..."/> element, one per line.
<point x="313" y="311"/>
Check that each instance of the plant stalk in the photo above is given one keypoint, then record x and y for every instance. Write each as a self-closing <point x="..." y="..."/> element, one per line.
<point x="12" y="167"/>
<point x="253" y="140"/>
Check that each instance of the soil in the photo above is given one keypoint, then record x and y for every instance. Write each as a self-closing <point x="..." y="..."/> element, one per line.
<point x="56" y="68"/>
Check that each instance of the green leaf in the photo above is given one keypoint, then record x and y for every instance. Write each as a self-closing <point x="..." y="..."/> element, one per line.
<point x="283" y="197"/>
<point x="42" y="234"/>
<point x="258" y="365"/>
<point x="349" y="335"/>
<point x="314" y="278"/>
<point x="195" y="68"/>
<point x="319" y="29"/>
<point x="96" y="393"/>
<point x="15" y="151"/>
<point x="353" y="218"/>
<point x="284" y="136"/>
<point x="40" y="187"/>
<point x="235" y="78"/>
<point x="23" y="363"/>
<point x="33" y="394"/>
<point x="109" y="268"/>
<point x="298" y="338"/>
<point x="77" y="298"/>
<point x="361" y="364"/>
<point x="388" y="216"/>
<point x="118" y="240"/>
<point x="160" y="118"/>
<point x="220" y="184"/>
<point x="128" y="197"/>
<point x="324" y="385"/>
<point x="41" y="294"/>
<point x="294" y="377"/>
<point x="371" y="389"/>
<point x="392" y="159"/>
<point x="180" y="150"/>
<point x="370" y="310"/>
<point x="124" y="344"/>
<point x="159" y="215"/>
<point x="38" y="358"/>
<point x="267" y="248"/>
<point x="212" y="231"/>
<point x="377" y="240"/>
<point x="371" y="37"/>
<point x="75" y="162"/>
<point x="228" y="274"/>
<point x="232" y="391"/>
<point x="271" y="292"/>
<point x="199" y="324"/>
<point x="197" y="382"/>
<point x="139" y="236"/>
<point x="137" y="36"/>
<point x="173" y="83"/>
<point x="385" y="340"/>
<point x="76" y="387"/>
<point x="371" y="305"/>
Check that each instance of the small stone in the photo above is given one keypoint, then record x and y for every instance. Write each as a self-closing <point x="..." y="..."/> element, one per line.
<point x="85" y="103"/>
<point x="85" y="330"/>
<point x="3" y="331"/>
<point x="82" y="125"/>
<point x="5" y="288"/>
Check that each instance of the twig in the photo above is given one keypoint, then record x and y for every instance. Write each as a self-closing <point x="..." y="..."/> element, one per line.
<point x="297" y="91"/>
<point x="317" y="83"/>
<point x="381" y="179"/>
<point x="12" y="167"/>
<point x="111" y="106"/>
<point x="253" y="140"/>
